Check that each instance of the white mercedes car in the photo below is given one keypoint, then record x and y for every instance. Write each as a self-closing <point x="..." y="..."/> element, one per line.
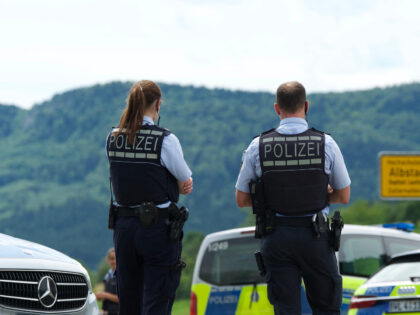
<point x="35" y="279"/>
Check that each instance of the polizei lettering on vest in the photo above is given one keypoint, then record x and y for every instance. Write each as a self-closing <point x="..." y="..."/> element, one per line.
<point x="142" y="143"/>
<point x="292" y="150"/>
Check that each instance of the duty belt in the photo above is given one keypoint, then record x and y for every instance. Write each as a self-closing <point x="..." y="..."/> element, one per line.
<point x="306" y="221"/>
<point x="319" y="222"/>
<point x="135" y="212"/>
<point x="294" y="221"/>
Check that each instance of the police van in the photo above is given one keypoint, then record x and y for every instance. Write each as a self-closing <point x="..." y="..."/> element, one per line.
<point x="226" y="279"/>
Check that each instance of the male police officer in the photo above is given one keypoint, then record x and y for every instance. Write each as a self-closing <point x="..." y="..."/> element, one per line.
<point x="302" y="171"/>
<point x="148" y="172"/>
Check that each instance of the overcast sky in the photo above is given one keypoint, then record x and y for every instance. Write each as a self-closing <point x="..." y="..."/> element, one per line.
<point x="47" y="47"/>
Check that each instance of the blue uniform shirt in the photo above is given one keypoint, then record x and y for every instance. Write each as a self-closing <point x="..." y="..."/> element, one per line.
<point x="334" y="161"/>
<point x="171" y="157"/>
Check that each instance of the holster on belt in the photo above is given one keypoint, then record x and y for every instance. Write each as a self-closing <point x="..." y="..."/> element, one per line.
<point x="260" y="263"/>
<point x="337" y="224"/>
<point x="320" y="223"/>
<point x="178" y="217"/>
<point x="111" y="215"/>
<point x="264" y="218"/>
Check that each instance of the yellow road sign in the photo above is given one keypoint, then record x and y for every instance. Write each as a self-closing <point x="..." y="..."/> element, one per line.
<point x="399" y="175"/>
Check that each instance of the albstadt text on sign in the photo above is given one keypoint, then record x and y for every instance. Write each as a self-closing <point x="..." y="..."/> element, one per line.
<point x="399" y="175"/>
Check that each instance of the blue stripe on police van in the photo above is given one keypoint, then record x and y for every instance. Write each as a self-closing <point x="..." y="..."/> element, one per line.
<point x="224" y="301"/>
<point x="378" y="309"/>
<point x="380" y="291"/>
<point x="306" y="309"/>
<point x="344" y="308"/>
<point x="347" y="293"/>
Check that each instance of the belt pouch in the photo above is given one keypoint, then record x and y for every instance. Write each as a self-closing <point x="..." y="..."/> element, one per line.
<point x="111" y="215"/>
<point x="148" y="214"/>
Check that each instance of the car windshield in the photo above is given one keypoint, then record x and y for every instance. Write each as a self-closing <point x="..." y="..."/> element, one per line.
<point x="231" y="262"/>
<point x="403" y="271"/>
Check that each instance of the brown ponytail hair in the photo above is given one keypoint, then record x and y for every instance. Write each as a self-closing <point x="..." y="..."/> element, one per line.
<point x="143" y="94"/>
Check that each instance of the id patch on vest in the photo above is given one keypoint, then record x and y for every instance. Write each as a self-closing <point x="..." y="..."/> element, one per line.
<point x="146" y="147"/>
<point x="305" y="150"/>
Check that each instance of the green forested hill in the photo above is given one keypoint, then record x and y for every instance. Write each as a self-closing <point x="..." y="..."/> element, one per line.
<point x="54" y="173"/>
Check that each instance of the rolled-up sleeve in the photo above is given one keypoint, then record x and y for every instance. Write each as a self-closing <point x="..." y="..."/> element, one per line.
<point x="248" y="168"/>
<point x="172" y="158"/>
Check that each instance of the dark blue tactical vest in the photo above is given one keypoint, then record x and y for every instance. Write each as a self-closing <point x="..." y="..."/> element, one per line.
<point x="136" y="172"/>
<point x="293" y="172"/>
<point x="110" y="286"/>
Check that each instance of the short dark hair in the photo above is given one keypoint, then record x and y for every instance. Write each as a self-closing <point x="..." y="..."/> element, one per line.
<point x="291" y="96"/>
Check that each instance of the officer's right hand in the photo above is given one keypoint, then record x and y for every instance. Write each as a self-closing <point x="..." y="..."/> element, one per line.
<point x="186" y="186"/>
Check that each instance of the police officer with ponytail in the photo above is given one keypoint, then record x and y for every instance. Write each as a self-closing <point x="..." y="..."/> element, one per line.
<point x="290" y="175"/>
<point x="147" y="174"/>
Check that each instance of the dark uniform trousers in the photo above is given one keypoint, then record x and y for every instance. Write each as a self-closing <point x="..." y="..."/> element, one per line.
<point x="146" y="275"/>
<point x="293" y="253"/>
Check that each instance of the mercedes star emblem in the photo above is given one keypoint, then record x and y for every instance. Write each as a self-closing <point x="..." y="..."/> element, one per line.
<point x="47" y="292"/>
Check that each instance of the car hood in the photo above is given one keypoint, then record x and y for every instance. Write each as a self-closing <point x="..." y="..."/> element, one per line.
<point x="15" y="248"/>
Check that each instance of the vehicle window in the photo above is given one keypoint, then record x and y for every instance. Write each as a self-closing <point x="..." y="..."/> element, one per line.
<point x="399" y="245"/>
<point x="398" y="272"/>
<point x="361" y="255"/>
<point x="231" y="262"/>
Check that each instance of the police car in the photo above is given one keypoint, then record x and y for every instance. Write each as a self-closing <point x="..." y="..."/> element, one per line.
<point x="226" y="279"/>
<point x="394" y="289"/>
<point x="35" y="279"/>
